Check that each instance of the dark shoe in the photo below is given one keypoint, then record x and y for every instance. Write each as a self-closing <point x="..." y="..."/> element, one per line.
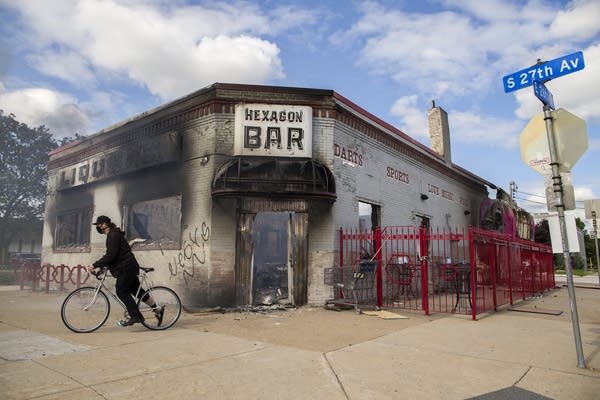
<point x="159" y="312"/>
<point x="131" y="321"/>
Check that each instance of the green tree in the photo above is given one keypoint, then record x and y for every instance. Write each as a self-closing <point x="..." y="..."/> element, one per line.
<point x="23" y="176"/>
<point x="590" y="251"/>
<point x="590" y="248"/>
<point x="577" y="261"/>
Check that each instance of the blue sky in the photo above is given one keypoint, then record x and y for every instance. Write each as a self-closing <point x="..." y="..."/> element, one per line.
<point x="80" y="66"/>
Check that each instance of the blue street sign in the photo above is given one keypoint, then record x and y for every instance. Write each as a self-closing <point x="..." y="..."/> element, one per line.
<point x="543" y="72"/>
<point x="541" y="92"/>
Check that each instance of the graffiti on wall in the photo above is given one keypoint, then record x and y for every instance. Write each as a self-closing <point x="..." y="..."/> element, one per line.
<point x="192" y="254"/>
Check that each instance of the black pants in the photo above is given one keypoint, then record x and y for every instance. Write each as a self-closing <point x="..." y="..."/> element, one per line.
<point x="126" y="286"/>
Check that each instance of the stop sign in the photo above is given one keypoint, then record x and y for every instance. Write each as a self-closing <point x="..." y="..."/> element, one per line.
<point x="570" y="138"/>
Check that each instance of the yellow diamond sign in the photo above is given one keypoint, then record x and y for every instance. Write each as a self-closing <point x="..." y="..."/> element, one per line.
<point x="570" y="137"/>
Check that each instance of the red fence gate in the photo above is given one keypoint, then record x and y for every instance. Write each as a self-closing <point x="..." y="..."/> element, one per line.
<point x="460" y="271"/>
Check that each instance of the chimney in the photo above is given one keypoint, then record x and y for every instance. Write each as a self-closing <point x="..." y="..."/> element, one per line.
<point x="439" y="132"/>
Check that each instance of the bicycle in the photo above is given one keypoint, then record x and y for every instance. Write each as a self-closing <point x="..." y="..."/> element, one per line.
<point x="87" y="308"/>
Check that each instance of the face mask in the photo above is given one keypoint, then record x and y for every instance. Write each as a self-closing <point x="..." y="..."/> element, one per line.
<point x="99" y="229"/>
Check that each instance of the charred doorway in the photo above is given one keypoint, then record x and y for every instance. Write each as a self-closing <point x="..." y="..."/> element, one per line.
<point x="272" y="252"/>
<point x="273" y="185"/>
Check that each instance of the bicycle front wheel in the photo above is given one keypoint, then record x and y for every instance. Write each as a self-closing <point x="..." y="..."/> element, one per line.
<point x="84" y="310"/>
<point x="167" y="301"/>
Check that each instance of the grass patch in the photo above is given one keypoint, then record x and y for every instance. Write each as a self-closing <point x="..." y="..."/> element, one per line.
<point x="576" y="272"/>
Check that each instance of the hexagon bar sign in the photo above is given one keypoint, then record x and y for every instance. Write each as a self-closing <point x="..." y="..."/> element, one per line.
<point x="570" y="137"/>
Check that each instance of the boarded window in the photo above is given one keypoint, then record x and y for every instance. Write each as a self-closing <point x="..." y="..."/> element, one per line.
<point x="157" y="222"/>
<point x="73" y="231"/>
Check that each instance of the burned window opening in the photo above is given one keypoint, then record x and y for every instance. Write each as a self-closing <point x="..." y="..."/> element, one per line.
<point x="154" y="224"/>
<point x="73" y="231"/>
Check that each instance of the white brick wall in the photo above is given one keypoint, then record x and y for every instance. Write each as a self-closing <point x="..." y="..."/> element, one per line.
<point x="369" y="183"/>
<point x="209" y="228"/>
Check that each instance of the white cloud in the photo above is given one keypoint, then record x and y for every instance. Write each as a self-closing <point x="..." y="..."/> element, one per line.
<point x="580" y="20"/>
<point x="69" y="66"/>
<point x="532" y="196"/>
<point x="239" y="59"/>
<point x="448" y="52"/>
<point x="584" y="193"/>
<point x="488" y="10"/>
<point x="465" y="126"/>
<point x="170" y="49"/>
<point x="462" y="51"/>
<point x="473" y="127"/>
<point x="528" y="105"/>
<point x="35" y="107"/>
<point x="413" y="119"/>
<point x="466" y="49"/>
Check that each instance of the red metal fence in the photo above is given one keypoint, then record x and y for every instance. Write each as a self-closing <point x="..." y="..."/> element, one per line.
<point x="43" y="277"/>
<point x="460" y="271"/>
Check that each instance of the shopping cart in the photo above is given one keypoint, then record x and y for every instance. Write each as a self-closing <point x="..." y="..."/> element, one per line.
<point x="352" y="286"/>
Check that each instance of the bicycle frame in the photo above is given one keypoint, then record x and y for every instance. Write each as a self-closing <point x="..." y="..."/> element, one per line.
<point x="100" y="285"/>
<point x="151" y="303"/>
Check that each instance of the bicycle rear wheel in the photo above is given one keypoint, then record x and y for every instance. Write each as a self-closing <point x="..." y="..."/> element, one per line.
<point x="164" y="297"/>
<point x="84" y="310"/>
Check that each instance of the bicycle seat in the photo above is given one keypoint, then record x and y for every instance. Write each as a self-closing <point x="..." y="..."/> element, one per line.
<point x="147" y="269"/>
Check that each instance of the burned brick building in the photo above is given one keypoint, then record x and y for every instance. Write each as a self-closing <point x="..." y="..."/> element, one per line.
<point x="236" y="192"/>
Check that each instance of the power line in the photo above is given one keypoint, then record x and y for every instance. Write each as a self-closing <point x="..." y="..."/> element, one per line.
<point x="531" y="194"/>
<point x="530" y="201"/>
<point x="538" y="195"/>
<point x="539" y="202"/>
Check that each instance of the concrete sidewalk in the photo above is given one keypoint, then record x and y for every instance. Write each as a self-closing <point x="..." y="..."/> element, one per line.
<point x="305" y="353"/>
<point x="591" y="280"/>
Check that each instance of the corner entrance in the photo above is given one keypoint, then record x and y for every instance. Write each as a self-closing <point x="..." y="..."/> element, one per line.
<point x="271" y="252"/>
<point x="271" y="256"/>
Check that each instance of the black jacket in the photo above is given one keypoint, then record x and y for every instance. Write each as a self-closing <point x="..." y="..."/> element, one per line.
<point x="118" y="257"/>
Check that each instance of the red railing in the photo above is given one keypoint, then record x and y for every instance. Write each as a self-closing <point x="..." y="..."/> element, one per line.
<point x="460" y="271"/>
<point x="40" y="277"/>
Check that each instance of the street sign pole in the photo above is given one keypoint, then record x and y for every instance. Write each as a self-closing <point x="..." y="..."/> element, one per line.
<point x="560" y="207"/>
<point x="560" y="159"/>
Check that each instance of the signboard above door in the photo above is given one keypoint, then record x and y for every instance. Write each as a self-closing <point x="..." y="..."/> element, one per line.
<point x="273" y="130"/>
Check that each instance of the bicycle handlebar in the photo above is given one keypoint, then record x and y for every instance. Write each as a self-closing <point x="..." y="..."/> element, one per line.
<point x="98" y="274"/>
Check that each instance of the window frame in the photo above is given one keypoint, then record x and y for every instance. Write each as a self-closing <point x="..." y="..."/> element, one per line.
<point x="128" y="210"/>
<point x="83" y="236"/>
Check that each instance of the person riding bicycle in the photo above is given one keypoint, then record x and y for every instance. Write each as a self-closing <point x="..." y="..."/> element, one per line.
<point x="122" y="265"/>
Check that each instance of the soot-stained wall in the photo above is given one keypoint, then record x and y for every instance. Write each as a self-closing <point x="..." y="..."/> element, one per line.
<point x="160" y="166"/>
